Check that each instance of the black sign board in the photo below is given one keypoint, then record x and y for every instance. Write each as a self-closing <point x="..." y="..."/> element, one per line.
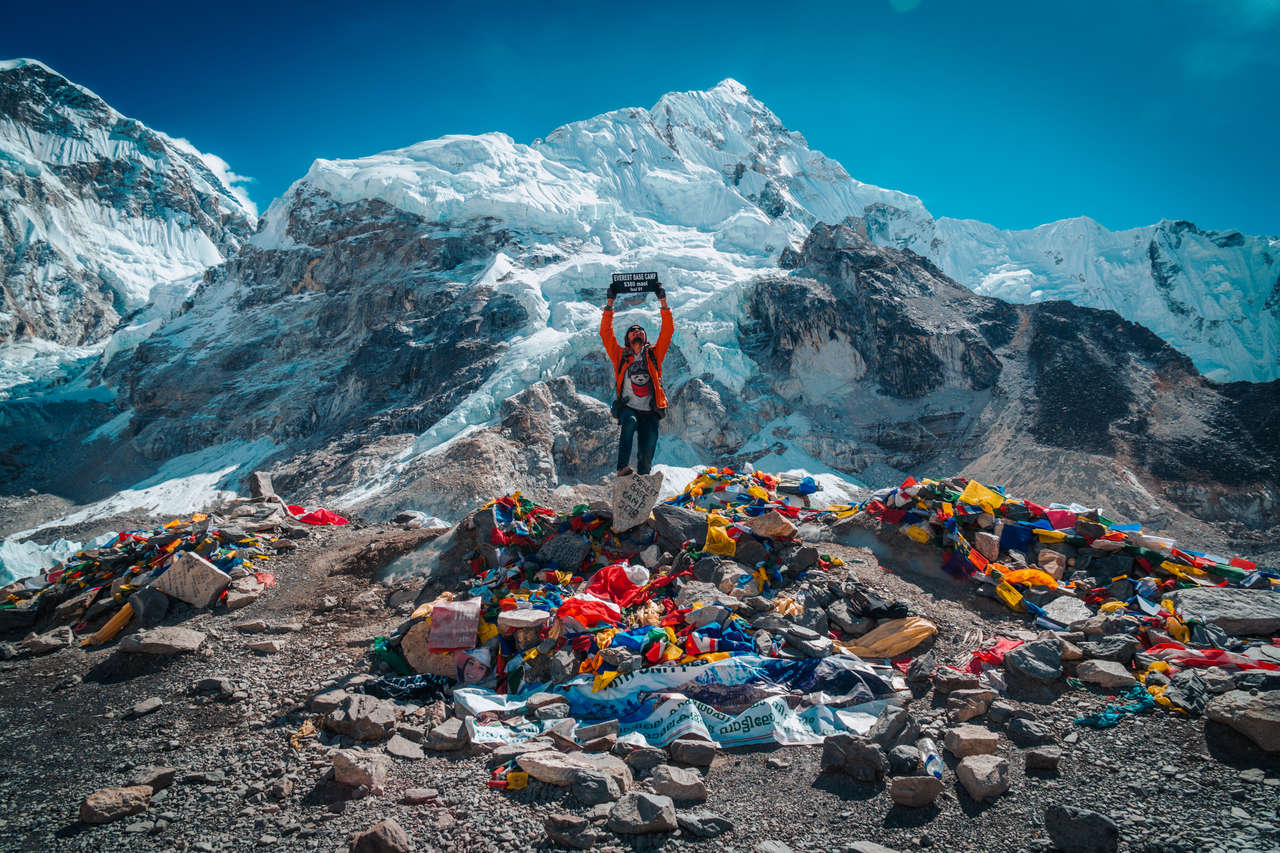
<point x="635" y="282"/>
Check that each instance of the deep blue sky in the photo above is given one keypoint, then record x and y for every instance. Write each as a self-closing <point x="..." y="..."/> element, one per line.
<point x="1015" y="113"/>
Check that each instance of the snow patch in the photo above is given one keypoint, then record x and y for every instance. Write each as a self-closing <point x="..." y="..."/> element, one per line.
<point x="112" y="428"/>
<point x="23" y="559"/>
<point x="183" y="485"/>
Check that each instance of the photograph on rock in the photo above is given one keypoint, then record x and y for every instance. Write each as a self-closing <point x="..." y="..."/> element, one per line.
<point x="674" y="427"/>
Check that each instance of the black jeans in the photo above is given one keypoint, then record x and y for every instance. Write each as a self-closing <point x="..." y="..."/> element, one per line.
<point x="643" y="426"/>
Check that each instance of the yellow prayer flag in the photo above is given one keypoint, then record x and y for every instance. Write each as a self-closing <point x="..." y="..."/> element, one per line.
<point x="918" y="532"/>
<point x="718" y="542"/>
<point x="976" y="494"/>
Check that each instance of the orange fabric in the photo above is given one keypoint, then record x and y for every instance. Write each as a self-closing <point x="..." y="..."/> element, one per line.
<point x="620" y="357"/>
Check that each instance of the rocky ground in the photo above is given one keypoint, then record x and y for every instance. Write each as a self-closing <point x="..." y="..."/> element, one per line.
<point x="80" y="720"/>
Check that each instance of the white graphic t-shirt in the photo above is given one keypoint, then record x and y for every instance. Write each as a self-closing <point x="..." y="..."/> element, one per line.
<point x="637" y="385"/>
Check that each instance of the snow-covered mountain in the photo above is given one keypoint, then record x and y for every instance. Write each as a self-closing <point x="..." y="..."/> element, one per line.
<point x="1212" y="295"/>
<point x="719" y="165"/>
<point x="96" y="211"/>
<point x="420" y="327"/>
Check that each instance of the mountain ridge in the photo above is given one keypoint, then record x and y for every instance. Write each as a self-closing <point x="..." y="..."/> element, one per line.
<point x="390" y="311"/>
<point x="1172" y="276"/>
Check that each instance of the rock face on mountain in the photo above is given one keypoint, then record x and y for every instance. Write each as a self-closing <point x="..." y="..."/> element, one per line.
<point x="96" y="209"/>
<point x="857" y="334"/>
<point x="856" y="316"/>
<point x="367" y="320"/>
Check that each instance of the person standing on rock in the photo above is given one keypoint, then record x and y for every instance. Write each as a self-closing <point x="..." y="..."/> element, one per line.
<point x="639" y="402"/>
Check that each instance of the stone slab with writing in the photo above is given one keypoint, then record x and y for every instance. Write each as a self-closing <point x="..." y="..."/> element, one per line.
<point x="633" y="498"/>
<point x="193" y="579"/>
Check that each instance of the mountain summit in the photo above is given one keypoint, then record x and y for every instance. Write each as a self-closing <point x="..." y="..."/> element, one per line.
<point x="720" y="169"/>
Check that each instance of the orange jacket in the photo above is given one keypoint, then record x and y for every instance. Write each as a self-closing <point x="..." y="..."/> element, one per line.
<point x="620" y="357"/>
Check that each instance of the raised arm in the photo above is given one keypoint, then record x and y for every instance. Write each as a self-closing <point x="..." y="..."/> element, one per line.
<point x="668" y="327"/>
<point x="607" y="336"/>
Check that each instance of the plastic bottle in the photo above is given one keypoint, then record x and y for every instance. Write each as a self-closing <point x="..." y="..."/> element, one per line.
<point x="930" y="757"/>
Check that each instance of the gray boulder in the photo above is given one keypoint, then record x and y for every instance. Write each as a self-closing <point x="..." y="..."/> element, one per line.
<point x="707" y="614"/>
<point x="703" y="823"/>
<point x="150" y="606"/>
<point x="1039" y="661"/>
<point x="154" y="776"/>
<point x="838" y="614"/>
<point x="448" y="736"/>
<point x="894" y="726"/>
<point x="1076" y="830"/>
<point x="260" y="485"/>
<point x="162" y="641"/>
<point x="329" y="700"/>
<point x="853" y="755"/>
<point x="1066" y="609"/>
<point x="364" y="717"/>
<point x="52" y="641"/>
<point x="591" y="787"/>
<point x="692" y="751"/>
<point x="985" y="777"/>
<point x="1255" y="717"/>
<point x="570" y="830"/>
<point x="402" y="747"/>
<point x="507" y="751"/>
<point x="948" y="678"/>
<point x="559" y="768"/>
<point x="1105" y="673"/>
<point x="914" y="791"/>
<point x="903" y="760"/>
<point x="1239" y="612"/>
<point x="696" y="592"/>
<point x="707" y="569"/>
<point x="966" y="740"/>
<point x="750" y="551"/>
<point x="644" y="758"/>
<point x="805" y="558"/>
<point x="567" y="550"/>
<point x="813" y="614"/>
<point x="1117" y="648"/>
<point x="1044" y="758"/>
<point x="386" y="836"/>
<point x="111" y="804"/>
<point x="678" y="783"/>
<point x="675" y="525"/>
<point x="357" y="768"/>
<point x="642" y="813"/>
<point x="1024" y="732"/>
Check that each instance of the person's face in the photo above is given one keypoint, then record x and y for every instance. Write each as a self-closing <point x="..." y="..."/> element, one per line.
<point x="474" y="671"/>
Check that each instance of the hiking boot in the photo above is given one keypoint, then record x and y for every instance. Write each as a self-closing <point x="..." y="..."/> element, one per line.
<point x="625" y="471"/>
